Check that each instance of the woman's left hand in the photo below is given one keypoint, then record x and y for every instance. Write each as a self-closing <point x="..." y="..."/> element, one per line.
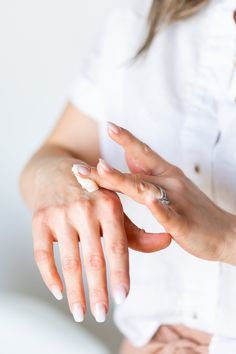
<point x="193" y="220"/>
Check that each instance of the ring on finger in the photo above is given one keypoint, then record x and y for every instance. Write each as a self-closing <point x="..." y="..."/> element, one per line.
<point x="163" y="199"/>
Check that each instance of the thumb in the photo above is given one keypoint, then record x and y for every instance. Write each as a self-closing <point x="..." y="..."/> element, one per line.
<point x="142" y="241"/>
<point x="138" y="150"/>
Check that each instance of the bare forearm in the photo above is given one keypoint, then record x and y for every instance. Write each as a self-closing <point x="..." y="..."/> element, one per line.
<point x="46" y="160"/>
<point x="229" y="251"/>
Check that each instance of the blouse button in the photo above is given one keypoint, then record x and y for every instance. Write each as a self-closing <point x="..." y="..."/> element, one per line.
<point x="197" y="169"/>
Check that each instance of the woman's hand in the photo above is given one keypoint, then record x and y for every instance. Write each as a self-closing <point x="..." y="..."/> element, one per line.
<point x="194" y="221"/>
<point x="66" y="214"/>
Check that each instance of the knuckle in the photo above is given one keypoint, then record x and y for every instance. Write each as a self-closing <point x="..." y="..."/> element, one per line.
<point x="110" y="203"/>
<point x="119" y="248"/>
<point x="70" y="264"/>
<point x="49" y="215"/>
<point x="85" y="205"/>
<point x="96" y="262"/>
<point x="41" y="256"/>
<point x="82" y="206"/>
<point x="140" y="186"/>
<point x="75" y="294"/>
<point x="146" y="149"/>
<point x="119" y="275"/>
<point x="60" y="210"/>
<point x="97" y="293"/>
<point x="74" y="209"/>
<point x="179" y="184"/>
<point x="177" y="171"/>
<point x="57" y="217"/>
<point x="39" y="217"/>
<point x="106" y="199"/>
<point x="58" y="213"/>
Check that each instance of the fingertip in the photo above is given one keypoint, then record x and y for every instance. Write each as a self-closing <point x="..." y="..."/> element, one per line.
<point x="100" y="172"/>
<point x="168" y="240"/>
<point x="81" y="169"/>
<point x="104" y="167"/>
<point x="78" y="312"/>
<point x="159" y="241"/>
<point x="120" y="294"/>
<point x="57" y="292"/>
<point x="113" y="128"/>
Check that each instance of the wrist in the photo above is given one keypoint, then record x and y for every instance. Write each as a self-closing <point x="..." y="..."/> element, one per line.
<point x="54" y="180"/>
<point x="55" y="166"/>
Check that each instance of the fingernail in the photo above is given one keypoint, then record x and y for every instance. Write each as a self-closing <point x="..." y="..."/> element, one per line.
<point x="100" y="313"/>
<point x="78" y="313"/>
<point x="84" y="170"/>
<point x="55" y="290"/>
<point x="113" y="128"/>
<point x="120" y="295"/>
<point x="104" y="165"/>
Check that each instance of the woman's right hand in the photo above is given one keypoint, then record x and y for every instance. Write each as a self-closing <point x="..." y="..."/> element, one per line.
<point x="65" y="213"/>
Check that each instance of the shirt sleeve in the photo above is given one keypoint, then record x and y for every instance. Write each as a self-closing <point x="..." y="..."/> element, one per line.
<point x="89" y="91"/>
<point x="224" y="340"/>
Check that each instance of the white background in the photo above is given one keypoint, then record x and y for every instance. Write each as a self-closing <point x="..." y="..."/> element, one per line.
<point x="41" y="45"/>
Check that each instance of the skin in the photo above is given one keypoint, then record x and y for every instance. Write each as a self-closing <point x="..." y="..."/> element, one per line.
<point x="65" y="213"/>
<point x="197" y="224"/>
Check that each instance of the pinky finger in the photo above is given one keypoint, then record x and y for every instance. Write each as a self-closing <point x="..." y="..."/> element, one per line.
<point x="44" y="257"/>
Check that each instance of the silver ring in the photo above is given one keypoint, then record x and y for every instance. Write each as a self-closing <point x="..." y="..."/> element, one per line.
<point x="163" y="199"/>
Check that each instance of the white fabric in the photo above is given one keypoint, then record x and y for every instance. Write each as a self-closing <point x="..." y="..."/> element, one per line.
<point x="223" y="345"/>
<point x="178" y="99"/>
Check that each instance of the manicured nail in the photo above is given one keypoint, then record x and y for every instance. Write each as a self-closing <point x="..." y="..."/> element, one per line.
<point x="120" y="294"/>
<point x="55" y="290"/>
<point x="100" y="313"/>
<point x="104" y="165"/>
<point x="113" y="128"/>
<point x="78" y="313"/>
<point x="84" y="170"/>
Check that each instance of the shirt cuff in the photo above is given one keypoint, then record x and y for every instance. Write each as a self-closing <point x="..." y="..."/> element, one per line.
<point x="87" y="98"/>
<point x="222" y="345"/>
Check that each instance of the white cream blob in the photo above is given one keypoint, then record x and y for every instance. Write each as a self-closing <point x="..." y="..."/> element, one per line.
<point x="86" y="183"/>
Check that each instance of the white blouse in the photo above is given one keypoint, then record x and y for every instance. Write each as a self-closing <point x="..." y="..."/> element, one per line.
<point x="179" y="99"/>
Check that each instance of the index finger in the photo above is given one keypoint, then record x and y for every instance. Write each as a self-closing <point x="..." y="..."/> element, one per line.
<point x="137" y="150"/>
<point x="134" y="186"/>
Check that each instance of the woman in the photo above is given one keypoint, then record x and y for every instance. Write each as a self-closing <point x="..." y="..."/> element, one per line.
<point x="193" y="220"/>
<point x="176" y="95"/>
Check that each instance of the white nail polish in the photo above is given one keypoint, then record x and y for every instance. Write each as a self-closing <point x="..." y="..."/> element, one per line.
<point x="113" y="128"/>
<point x="100" y="313"/>
<point x="119" y="295"/>
<point x="105" y="166"/>
<point x="55" y="290"/>
<point x="86" y="183"/>
<point x="78" y="313"/>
